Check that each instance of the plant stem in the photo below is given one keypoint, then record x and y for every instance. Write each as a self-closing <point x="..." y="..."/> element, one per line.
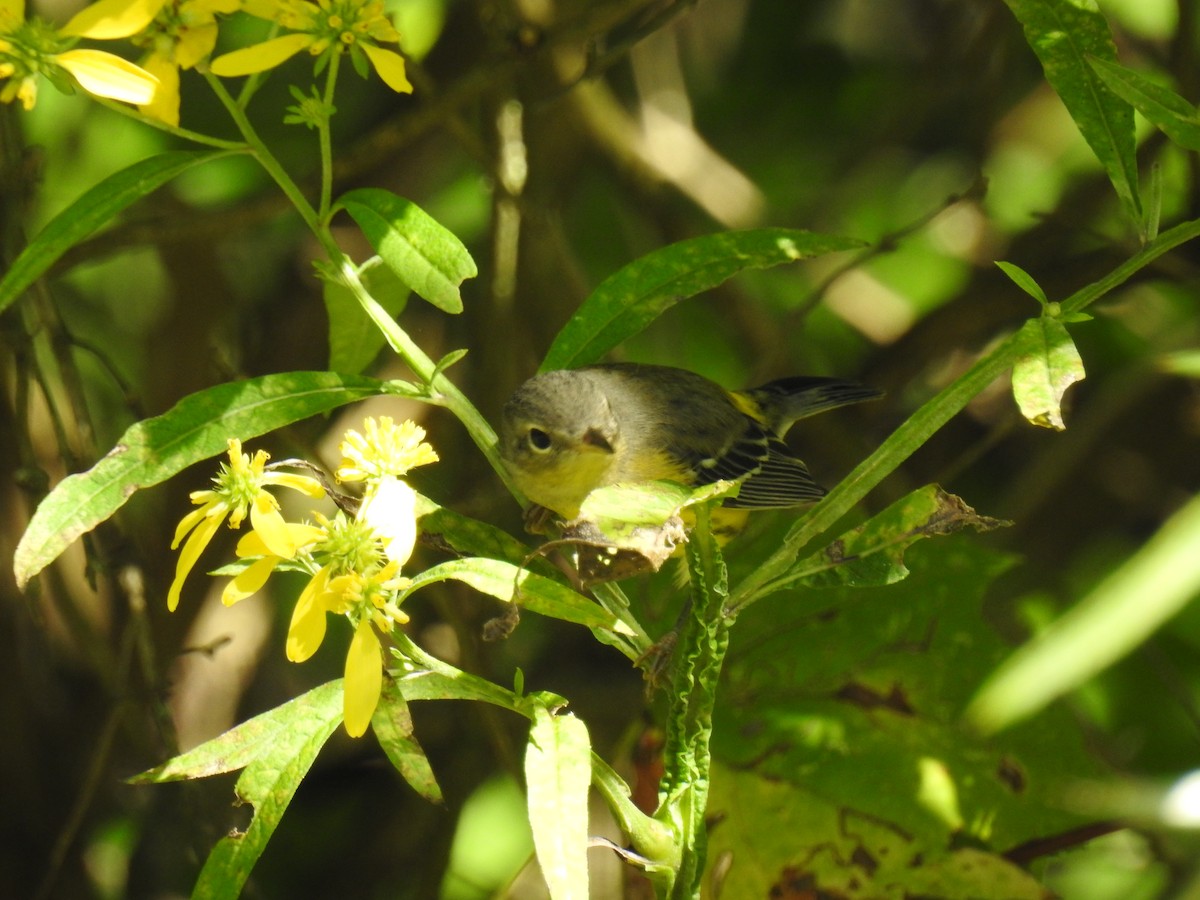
<point x="325" y="138"/>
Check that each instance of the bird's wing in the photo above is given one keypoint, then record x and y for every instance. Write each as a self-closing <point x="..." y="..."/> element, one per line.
<point x="773" y="476"/>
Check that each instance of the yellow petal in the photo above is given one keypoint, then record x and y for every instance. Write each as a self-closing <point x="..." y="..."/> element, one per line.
<point x="165" y="105"/>
<point x="390" y="67"/>
<point x="390" y="509"/>
<point x="266" y="520"/>
<point x="301" y="483"/>
<point x="307" y="629"/>
<point x="12" y="14"/>
<point x="109" y="76"/>
<point x="250" y="581"/>
<point x="251" y="543"/>
<point x="189" y="554"/>
<point x="364" y="679"/>
<point x="112" y="19"/>
<point x="260" y="57"/>
<point x="187" y="523"/>
<point x="195" y="44"/>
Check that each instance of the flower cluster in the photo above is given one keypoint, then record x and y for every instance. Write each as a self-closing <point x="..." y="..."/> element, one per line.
<point x="181" y="34"/>
<point x="30" y="48"/>
<point x="353" y="562"/>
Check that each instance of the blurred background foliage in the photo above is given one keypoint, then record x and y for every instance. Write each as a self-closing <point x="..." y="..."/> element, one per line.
<point x="560" y="139"/>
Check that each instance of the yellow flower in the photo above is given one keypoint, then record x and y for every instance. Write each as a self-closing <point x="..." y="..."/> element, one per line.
<point x="239" y="488"/>
<point x="30" y="48"/>
<point x="326" y="27"/>
<point x="181" y="34"/>
<point x="385" y="449"/>
<point x="369" y="602"/>
<point x="252" y="546"/>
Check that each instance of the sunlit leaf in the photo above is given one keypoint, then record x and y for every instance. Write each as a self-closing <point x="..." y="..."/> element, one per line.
<point x="558" y="770"/>
<point x="1049" y="364"/>
<point x="93" y="209"/>
<point x="630" y="299"/>
<point x="509" y="583"/>
<point x="873" y="553"/>
<point x="1023" y="280"/>
<point x="197" y="427"/>
<point x="421" y="252"/>
<point x="393" y="727"/>
<point x="1066" y="35"/>
<point x="277" y="749"/>
<point x="1177" y="118"/>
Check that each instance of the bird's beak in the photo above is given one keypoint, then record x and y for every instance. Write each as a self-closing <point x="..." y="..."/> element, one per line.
<point x="593" y="438"/>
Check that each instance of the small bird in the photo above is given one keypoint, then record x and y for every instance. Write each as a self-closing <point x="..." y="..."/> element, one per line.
<point x="565" y="433"/>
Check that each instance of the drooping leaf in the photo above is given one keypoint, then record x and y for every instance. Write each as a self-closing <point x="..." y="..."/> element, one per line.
<point x="277" y="748"/>
<point x="873" y="553"/>
<point x="558" y="770"/>
<point x="354" y="341"/>
<point x="92" y="210"/>
<point x="1049" y="364"/>
<point x="420" y="251"/>
<point x="1066" y="35"/>
<point x="393" y="727"/>
<point x="630" y="299"/>
<point x="1117" y="615"/>
<point x="151" y="451"/>
<point x="1177" y="118"/>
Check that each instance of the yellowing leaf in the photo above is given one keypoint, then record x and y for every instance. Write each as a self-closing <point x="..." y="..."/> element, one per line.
<point x="1049" y="364"/>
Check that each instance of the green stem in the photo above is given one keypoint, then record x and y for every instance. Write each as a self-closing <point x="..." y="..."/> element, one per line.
<point x="441" y="390"/>
<point x="925" y="422"/>
<point x="270" y="164"/>
<point x="325" y="138"/>
<point x="187" y="134"/>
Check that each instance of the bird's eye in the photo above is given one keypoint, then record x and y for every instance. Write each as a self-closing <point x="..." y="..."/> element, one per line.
<point x="539" y="440"/>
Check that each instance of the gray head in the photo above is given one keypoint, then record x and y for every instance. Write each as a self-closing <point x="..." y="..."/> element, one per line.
<point x="558" y="433"/>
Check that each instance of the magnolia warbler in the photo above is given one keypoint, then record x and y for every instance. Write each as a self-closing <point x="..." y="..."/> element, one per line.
<point x="565" y="433"/>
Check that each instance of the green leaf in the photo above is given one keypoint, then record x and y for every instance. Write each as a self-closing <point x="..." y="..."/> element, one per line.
<point x="558" y="770"/>
<point x="1024" y="281"/>
<point x="421" y="253"/>
<point x="393" y="727"/>
<point x="471" y="537"/>
<point x="1118" y="615"/>
<point x="1182" y="362"/>
<point x="277" y="749"/>
<point x="1176" y="117"/>
<point x="92" y="210"/>
<point x="1048" y="364"/>
<point x="354" y="340"/>
<point x="840" y="753"/>
<point x="873" y="553"/>
<point x="197" y="427"/>
<point x="1066" y="35"/>
<point x="633" y="297"/>
<point x="507" y="582"/>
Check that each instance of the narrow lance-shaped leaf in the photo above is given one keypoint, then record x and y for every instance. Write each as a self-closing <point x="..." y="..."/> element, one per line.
<point x="393" y="727"/>
<point x="1049" y="364"/>
<point x="873" y="553"/>
<point x="151" y="451"/>
<point x="299" y="729"/>
<point x="1176" y="117"/>
<point x="558" y="770"/>
<point x="1118" y="615"/>
<point x="630" y="299"/>
<point x="509" y="583"/>
<point x="93" y="209"/>
<point x="420" y="251"/>
<point x="1065" y="34"/>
